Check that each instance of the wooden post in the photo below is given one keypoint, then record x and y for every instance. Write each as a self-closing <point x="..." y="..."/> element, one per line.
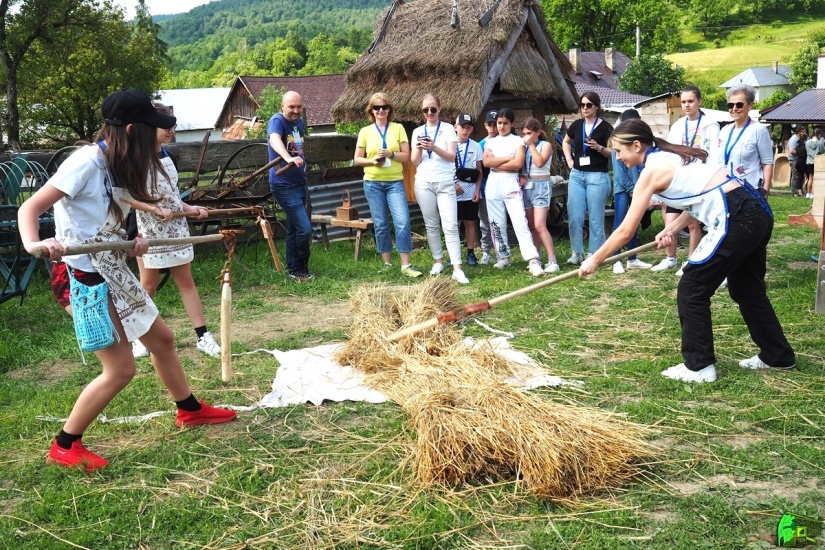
<point x="226" y="321"/>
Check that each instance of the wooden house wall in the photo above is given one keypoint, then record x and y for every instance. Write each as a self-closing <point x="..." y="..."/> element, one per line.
<point x="240" y="105"/>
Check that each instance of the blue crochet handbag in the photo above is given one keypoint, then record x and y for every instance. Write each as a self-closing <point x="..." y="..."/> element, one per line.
<point x="90" y="310"/>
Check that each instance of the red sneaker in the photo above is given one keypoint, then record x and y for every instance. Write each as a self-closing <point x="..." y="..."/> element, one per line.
<point x="206" y="415"/>
<point x="78" y="455"/>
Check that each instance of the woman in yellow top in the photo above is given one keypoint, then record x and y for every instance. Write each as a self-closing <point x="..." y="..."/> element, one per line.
<point x="381" y="148"/>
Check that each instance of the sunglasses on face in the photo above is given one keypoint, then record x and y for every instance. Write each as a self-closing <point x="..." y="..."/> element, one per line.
<point x="738" y="105"/>
<point x="429" y="110"/>
<point x="587" y="105"/>
<point x="380" y="107"/>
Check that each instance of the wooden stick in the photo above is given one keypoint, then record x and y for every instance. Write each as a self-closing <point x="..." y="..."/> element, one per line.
<point x="456" y="314"/>
<point x="128" y="245"/>
<point x="218" y="211"/>
<point x="266" y="229"/>
<point x="226" y="326"/>
<point x="284" y="168"/>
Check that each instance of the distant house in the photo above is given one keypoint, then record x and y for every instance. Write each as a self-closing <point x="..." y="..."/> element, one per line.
<point x="196" y="110"/>
<point x="318" y="92"/>
<point x="598" y="72"/>
<point x="766" y="80"/>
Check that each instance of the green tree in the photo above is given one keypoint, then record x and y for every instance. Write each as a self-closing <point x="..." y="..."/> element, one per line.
<point x="804" y="63"/>
<point x="325" y="57"/>
<point x="652" y="75"/>
<point x="268" y="104"/>
<point x="30" y="24"/>
<point x="707" y="16"/>
<point x="597" y="24"/>
<point x="79" y="66"/>
<point x="779" y="96"/>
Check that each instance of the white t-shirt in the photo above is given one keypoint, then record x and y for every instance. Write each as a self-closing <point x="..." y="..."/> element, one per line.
<point x="84" y="178"/>
<point x="468" y="155"/>
<point x="753" y="149"/>
<point x="702" y="133"/>
<point x="501" y="184"/>
<point x="433" y="167"/>
<point x="538" y="172"/>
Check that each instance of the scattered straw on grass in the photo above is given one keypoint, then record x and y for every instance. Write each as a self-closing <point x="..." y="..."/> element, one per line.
<point x="471" y="426"/>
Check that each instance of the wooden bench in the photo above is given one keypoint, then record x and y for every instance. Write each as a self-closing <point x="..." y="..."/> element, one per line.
<point x="358" y="225"/>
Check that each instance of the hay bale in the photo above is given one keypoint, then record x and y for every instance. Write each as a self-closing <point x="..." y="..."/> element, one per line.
<point x="470" y="425"/>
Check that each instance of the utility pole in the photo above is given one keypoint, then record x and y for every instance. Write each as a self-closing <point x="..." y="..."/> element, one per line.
<point x="638" y="41"/>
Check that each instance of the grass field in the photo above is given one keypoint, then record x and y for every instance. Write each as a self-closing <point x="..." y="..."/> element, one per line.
<point x="752" y="46"/>
<point x="736" y="454"/>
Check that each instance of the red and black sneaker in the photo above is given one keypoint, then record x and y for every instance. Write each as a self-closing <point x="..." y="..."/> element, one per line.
<point x="206" y="415"/>
<point x="78" y="455"/>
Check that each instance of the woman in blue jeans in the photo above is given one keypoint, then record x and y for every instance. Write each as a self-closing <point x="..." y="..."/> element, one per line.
<point x="585" y="149"/>
<point x="381" y="148"/>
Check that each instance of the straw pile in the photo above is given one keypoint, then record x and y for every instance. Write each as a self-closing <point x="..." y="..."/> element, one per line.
<point x="470" y="426"/>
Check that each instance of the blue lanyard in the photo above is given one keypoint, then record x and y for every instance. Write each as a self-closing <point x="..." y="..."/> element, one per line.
<point x="644" y="160"/>
<point x="383" y="134"/>
<point x="466" y="149"/>
<point x="729" y="150"/>
<point x="696" y="131"/>
<point x="430" y="153"/>
<point x="586" y="133"/>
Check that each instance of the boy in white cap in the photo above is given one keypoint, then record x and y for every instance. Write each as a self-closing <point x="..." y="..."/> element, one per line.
<point x="468" y="169"/>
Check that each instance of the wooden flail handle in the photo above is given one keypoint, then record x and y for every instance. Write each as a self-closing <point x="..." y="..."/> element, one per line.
<point x="104" y="246"/>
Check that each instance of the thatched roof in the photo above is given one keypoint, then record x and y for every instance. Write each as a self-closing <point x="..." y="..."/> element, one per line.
<point x="468" y="67"/>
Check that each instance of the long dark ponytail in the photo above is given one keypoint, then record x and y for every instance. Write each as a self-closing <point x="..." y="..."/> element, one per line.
<point x="637" y="130"/>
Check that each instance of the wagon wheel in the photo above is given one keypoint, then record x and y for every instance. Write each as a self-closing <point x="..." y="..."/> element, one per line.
<point x="58" y="157"/>
<point x="242" y="163"/>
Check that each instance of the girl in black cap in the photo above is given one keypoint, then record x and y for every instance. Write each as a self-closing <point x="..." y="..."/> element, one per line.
<point x="89" y="193"/>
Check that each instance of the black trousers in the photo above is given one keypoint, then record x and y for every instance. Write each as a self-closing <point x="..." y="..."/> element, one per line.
<point x="741" y="257"/>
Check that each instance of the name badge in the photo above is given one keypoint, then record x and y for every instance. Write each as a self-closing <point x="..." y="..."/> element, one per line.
<point x="528" y="185"/>
<point x="584" y="161"/>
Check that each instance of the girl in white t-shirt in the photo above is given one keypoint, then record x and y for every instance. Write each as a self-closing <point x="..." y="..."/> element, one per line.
<point x="433" y="154"/>
<point x="504" y="155"/>
<point x="89" y="193"/>
<point x="538" y="188"/>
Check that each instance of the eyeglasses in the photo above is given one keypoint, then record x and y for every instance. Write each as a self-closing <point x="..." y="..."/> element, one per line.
<point x="429" y="110"/>
<point x="587" y="105"/>
<point x="738" y="105"/>
<point x="380" y="107"/>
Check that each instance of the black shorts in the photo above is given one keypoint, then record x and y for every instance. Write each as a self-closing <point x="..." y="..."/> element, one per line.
<point x="671" y="210"/>
<point x="809" y="169"/>
<point x="467" y="211"/>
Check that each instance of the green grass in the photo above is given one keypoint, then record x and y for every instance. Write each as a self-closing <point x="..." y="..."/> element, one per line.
<point x="751" y="46"/>
<point x="736" y="454"/>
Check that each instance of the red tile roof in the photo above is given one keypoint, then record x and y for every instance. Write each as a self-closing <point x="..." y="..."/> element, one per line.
<point x="318" y="92"/>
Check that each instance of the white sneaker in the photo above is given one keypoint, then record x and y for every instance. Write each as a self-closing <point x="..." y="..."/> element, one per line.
<point x="809" y="195"/>
<point x="208" y="345"/>
<point x="437" y="269"/>
<point x="755" y="363"/>
<point x="667" y="263"/>
<point x="618" y="269"/>
<point x="486" y="259"/>
<point x="681" y="270"/>
<point x="534" y="267"/>
<point x="139" y="350"/>
<point x="574" y="259"/>
<point x="502" y="263"/>
<point x="638" y="264"/>
<point x="684" y="374"/>
<point x="551" y="267"/>
<point x="459" y="277"/>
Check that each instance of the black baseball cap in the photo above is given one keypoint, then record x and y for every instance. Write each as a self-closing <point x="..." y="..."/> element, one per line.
<point x="491" y="116"/>
<point x="465" y="118"/>
<point x="130" y="106"/>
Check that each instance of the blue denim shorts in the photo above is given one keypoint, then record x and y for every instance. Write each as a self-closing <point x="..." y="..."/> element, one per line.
<point x="539" y="195"/>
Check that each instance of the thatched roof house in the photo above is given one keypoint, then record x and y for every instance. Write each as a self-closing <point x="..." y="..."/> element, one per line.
<point x="508" y="60"/>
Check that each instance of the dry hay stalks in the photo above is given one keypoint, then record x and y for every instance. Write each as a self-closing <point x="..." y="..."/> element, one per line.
<point x="470" y="425"/>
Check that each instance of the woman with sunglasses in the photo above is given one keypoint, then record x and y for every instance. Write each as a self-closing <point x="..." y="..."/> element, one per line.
<point x="585" y="149"/>
<point x="739" y="222"/>
<point x="692" y="130"/>
<point x="745" y="147"/>
<point x="381" y="149"/>
<point x="434" y="157"/>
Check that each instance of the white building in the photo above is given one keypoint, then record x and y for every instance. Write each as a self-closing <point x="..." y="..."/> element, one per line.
<point x="196" y="109"/>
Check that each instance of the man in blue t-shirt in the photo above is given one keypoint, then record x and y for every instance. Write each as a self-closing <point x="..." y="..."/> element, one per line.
<point x="286" y="131"/>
